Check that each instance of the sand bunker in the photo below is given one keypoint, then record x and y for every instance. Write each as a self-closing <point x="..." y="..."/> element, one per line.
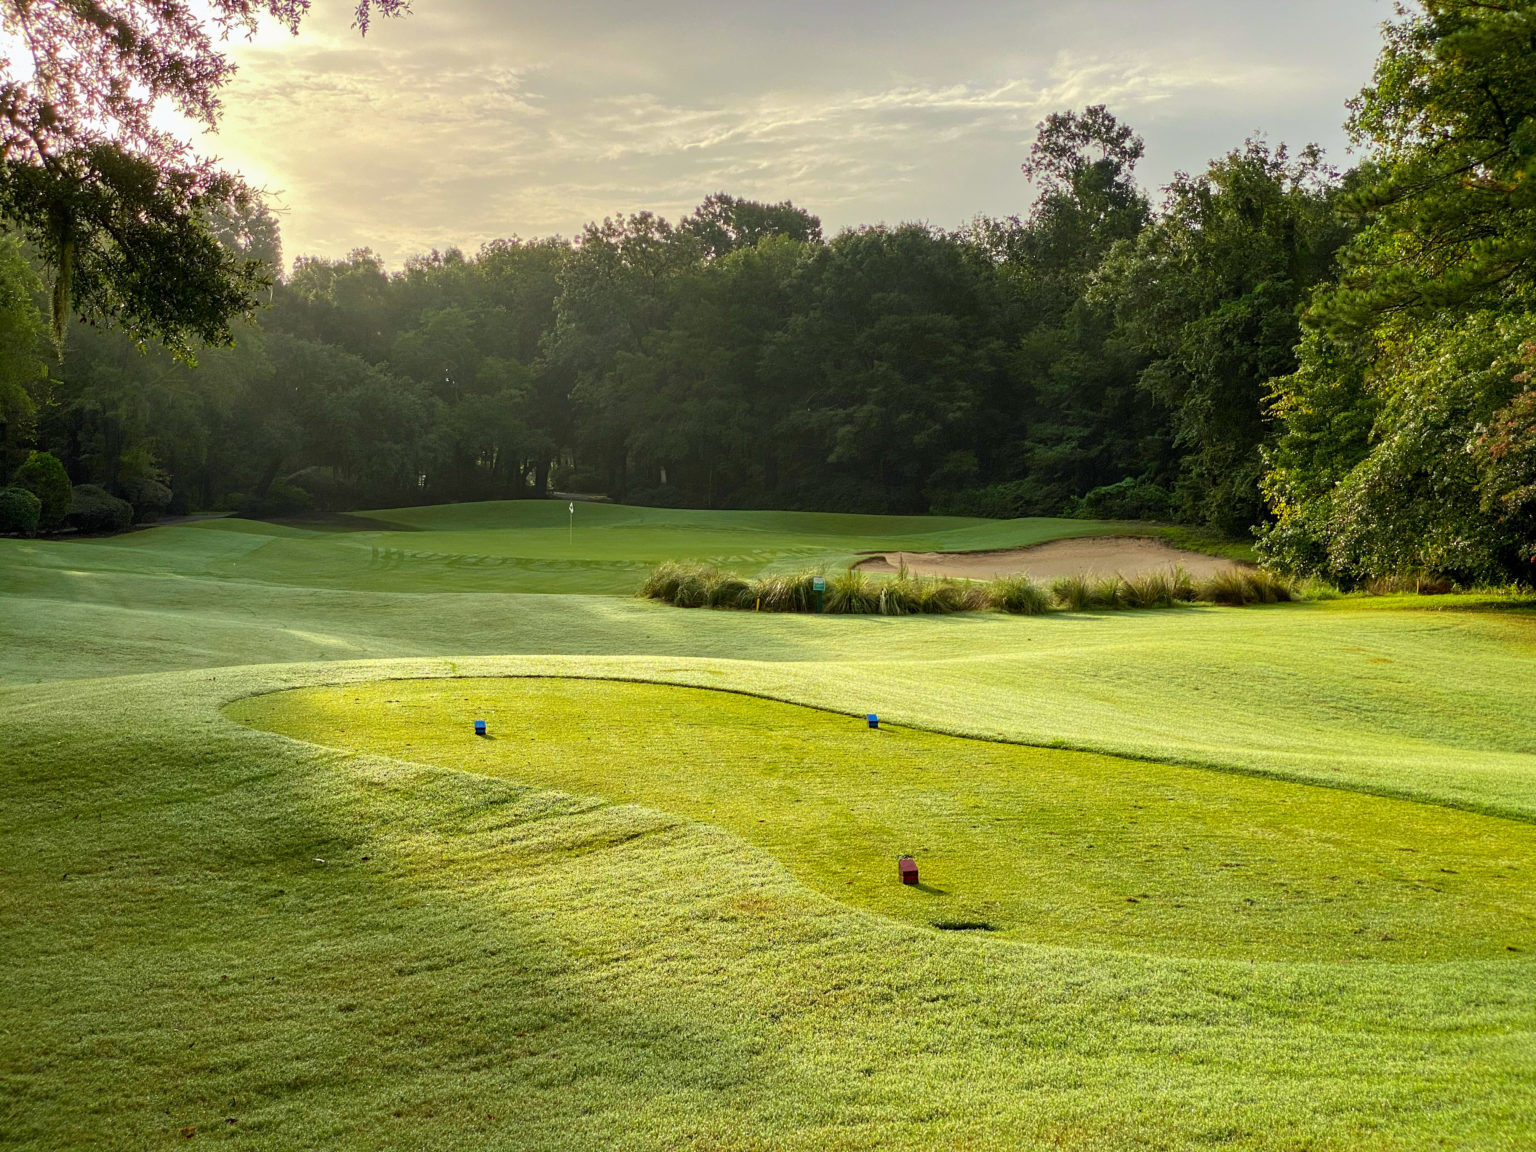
<point x="1128" y="556"/>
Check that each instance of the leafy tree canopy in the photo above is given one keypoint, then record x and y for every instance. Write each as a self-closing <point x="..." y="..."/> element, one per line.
<point x="117" y="208"/>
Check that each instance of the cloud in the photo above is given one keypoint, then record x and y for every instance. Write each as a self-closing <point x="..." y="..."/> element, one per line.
<point x="466" y="124"/>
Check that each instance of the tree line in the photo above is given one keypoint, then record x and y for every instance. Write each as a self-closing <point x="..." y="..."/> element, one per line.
<point x="1339" y="362"/>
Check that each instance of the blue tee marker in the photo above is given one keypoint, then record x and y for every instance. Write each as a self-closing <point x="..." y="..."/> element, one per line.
<point x="479" y="727"/>
<point x="874" y="721"/>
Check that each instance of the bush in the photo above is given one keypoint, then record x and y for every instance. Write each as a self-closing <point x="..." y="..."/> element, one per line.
<point x="19" y="511"/>
<point x="281" y="500"/>
<point x="44" y="477"/>
<point x="94" y="509"/>
<point x="1130" y="499"/>
<point x="855" y="592"/>
<point x="321" y="485"/>
<point x="149" y="499"/>
<point x="1006" y="501"/>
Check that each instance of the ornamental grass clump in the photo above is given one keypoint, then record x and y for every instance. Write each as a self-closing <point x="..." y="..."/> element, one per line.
<point x="1237" y="587"/>
<point x="663" y="581"/>
<point x="1072" y="593"/>
<point x="1150" y="590"/>
<point x="852" y="593"/>
<point x="938" y="597"/>
<point x="783" y="593"/>
<point x="1018" y="596"/>
<point x="1227" y="587"/>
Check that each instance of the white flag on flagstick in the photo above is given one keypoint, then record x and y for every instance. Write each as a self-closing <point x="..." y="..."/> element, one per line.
<point x="573" y="507"/>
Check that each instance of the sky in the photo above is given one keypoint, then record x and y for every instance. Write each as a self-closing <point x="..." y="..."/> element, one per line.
<point x="471" y="120"/>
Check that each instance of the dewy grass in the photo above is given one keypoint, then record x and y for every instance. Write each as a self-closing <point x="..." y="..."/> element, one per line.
<point x="279" y="945"/>
<point x="272" y="944"/>
<point x="1049" y="846"/>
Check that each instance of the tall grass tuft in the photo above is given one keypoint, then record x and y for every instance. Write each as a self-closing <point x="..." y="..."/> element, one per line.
<point x="855" y="592"/>
<point x="1018" y="596"/>
<point x="785" y="593"/>
<point x="1149" y="590"/>
<point x="1226" y="587"/>
<point x="1072" y="593"/>
<point x="852" y="592"/>
<point x="663" y="581"/>
<point x="1239" y="586"/>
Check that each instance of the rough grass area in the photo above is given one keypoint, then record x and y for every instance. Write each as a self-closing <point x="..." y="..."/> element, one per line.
<point x="1043" y="845"/>
<point x="275" y="945"/>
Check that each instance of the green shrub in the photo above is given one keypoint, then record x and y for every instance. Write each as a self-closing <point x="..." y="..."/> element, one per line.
<point x="1184" y="588"/>
<point x="855" y="592"/>
<point x="790" y="593"/>
<point x="281" y="500"/>
<point x="1019" y="596"/>
<point x="43" y="476"/>
<point x="19" y="511"/>
<point x="94" y="509"/>
<point x="148" y="498"/>
<point x="1130" y="499"/>
<point x="694" y="587"/>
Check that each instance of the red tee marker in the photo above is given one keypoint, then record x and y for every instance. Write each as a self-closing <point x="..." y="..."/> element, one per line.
<point x="908" y="869"/>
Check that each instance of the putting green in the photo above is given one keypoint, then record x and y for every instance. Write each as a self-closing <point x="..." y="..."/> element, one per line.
<point x="1033" y="844"/>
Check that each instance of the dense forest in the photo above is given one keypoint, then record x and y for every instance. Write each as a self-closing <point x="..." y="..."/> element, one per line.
<point x="1339" y="362"/>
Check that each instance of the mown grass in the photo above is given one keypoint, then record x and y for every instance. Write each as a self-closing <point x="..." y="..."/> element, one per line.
<point x="482" y="963"/>
<point x="1043" y="845"/>
<point x="853" y="592"/>
<point x="279" y="945"/>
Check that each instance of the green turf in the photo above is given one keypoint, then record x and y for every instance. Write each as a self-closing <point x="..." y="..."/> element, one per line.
<point x="488" y="960"/>
<point x="526" y="546"/>
<point x="1035" y="844"/>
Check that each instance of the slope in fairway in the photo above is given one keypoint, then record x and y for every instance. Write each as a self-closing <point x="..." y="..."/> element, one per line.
<point x="1033" y="844"/>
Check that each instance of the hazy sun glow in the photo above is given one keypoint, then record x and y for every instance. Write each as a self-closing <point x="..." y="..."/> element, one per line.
<point x="468" y="121"/>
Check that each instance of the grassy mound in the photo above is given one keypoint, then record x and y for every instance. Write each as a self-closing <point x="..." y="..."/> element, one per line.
<point x="1043" y="845"/>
